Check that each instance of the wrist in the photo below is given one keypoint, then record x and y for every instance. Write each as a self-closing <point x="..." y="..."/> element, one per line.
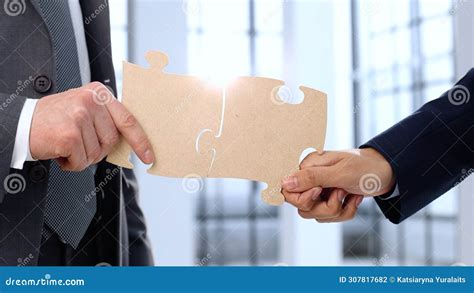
<point x="383" y="169"/>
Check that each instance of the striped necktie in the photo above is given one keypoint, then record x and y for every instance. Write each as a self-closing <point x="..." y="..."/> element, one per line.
<point x="70" y="202"/>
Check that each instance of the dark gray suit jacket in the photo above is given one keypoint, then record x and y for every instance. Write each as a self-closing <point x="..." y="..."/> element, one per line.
<point x="25" y="54"/>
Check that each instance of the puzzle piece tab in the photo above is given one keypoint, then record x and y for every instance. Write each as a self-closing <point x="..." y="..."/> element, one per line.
<point x="241" y="131"/>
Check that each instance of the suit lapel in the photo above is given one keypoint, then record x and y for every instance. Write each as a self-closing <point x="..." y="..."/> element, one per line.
<point x="97" y="30"/>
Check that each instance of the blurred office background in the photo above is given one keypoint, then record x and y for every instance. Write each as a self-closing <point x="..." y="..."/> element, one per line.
<point x="377" y="60"/>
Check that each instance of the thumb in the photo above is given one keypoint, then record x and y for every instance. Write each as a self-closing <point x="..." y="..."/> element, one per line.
<point x="311" y="177"/>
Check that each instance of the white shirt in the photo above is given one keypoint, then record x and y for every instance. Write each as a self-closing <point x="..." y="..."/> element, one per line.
<point x="395" y="193"/>
<point x="21" y="148"/>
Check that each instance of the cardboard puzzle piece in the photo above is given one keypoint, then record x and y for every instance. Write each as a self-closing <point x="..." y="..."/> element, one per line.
<point x="241" y="131"/>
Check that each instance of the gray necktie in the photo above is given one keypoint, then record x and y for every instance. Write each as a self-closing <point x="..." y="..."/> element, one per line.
<point x="71" y="202"/>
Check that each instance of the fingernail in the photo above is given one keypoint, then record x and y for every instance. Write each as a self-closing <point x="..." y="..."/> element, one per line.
<point x="315" y="194"/>
<point x="149" y="157"/>
<point x="340" y="195"/>
<point x="359" y="200"/>
<point x="290" y="183"/>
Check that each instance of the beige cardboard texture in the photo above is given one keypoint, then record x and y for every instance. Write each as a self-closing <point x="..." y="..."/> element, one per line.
<point x="241" y="131"/>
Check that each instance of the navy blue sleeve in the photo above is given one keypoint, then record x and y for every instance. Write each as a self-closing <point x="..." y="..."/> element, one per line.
<point x="430" y="151"/>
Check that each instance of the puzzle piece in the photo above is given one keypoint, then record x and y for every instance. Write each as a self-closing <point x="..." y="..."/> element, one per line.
<point x="262" y="137"/>
<point x="241" y="131"/>
<point x="172" y="109"/>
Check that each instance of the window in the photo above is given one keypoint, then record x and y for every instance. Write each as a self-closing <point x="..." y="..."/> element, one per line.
<point x="119" y="38"/>
<point x="226" y="39"/>
<point x="403" y="56"/>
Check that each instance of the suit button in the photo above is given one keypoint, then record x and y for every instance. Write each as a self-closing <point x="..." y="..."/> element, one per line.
<point x="38" y="173"/>
<point x="42" y="84"/>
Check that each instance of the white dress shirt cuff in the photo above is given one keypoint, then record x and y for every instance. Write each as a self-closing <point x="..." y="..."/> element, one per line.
<point x="395" y="193"/>
<point x="21" y="149"/>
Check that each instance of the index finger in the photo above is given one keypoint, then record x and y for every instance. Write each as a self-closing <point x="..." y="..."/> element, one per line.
<point x="133" y="133"/>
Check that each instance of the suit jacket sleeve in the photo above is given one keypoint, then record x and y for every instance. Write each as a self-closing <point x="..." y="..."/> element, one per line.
<point x="430" y="151"/>
<point x="10" y="110"/>
<point x="139" y="246"/>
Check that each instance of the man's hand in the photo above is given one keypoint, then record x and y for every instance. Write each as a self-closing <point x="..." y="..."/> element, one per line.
<point x="330" y="187"/>
<point x="79" y="127"/>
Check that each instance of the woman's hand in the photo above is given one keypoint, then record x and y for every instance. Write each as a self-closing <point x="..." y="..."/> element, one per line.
<point x="330" y="187"/>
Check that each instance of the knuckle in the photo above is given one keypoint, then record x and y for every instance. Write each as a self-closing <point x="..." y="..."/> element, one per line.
<point x="62" y="148"/>
<point x="310" y="176"/>
<point x="85" y="96"/>
<point x="142" y="143"/>
<point x="66" y="146"/>
<point x="306" y="206"/>
<point x="69" y="139"/>
<point x="334" y="211"/>
<point x="96" y="84"/>
<point x="79" y="167"/>
<point x="111" y="139"/>
<point x="80" y="115"/>
<point x="128" y="120"/>
<point x="301" y="214"/>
